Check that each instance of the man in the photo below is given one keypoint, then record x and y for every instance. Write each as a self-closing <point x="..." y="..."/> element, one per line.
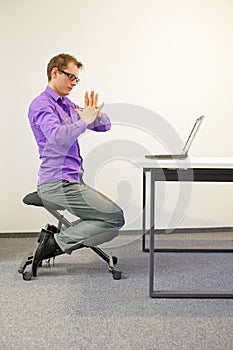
<point x="57" y="124"/>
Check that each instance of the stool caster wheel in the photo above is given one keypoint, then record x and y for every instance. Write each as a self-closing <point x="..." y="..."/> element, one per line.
<point x="27" y="276"/>
<point x="116" y="275"/>
<point x="20" y="269"/>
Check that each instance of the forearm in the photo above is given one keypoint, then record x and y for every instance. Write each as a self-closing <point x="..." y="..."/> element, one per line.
<point x="102" y="123"/>
<point x="67" y="133"/>
<point x="58" y="133"/>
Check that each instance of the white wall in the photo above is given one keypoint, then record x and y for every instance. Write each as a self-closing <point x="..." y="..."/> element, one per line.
<point x="172" y="57"/>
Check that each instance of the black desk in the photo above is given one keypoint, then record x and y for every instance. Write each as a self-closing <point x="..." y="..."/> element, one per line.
<point x="196" y="169"/>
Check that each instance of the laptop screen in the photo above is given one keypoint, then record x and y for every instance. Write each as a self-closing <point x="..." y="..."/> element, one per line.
<point x="193" y="134"/>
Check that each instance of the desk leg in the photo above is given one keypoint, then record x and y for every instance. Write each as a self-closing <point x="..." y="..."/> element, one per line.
<point x="206" y="294"/>
<point x="144" y="211"/>
<point x="152" y="236"/>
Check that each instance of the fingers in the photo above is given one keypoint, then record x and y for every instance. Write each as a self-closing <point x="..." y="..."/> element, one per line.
<point x="92" y="100"/>
<point x="78" y="110"/>
<point x="86" y="99"/>
<point x="96" y="100"/>
<point x="100" y="107"/>
<point x="90" y="108"/>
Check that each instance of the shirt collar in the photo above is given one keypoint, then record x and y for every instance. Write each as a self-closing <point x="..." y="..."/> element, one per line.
<point x="52" y="93"/>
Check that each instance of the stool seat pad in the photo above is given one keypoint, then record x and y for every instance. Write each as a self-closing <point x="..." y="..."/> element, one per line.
<point x="34" y="199"/>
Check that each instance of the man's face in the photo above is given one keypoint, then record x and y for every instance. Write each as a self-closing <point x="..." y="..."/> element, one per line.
<point x="62" y="82"/>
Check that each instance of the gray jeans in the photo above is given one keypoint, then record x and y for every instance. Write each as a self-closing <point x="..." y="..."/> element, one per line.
<point x="100" y="221"/>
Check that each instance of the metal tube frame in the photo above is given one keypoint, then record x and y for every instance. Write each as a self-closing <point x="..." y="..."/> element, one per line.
<point x="206" y="175"/>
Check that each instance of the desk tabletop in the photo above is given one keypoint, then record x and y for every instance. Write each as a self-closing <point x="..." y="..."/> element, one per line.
<point x="190" y="162"/>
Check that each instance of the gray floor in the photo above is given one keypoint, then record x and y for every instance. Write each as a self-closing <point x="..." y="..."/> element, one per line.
<point x="77" y="305"/>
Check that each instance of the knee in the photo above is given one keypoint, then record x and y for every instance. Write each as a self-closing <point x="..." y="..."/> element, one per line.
<point x="120" y="219"/>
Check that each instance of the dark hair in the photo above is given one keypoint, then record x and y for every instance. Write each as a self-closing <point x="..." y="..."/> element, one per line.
<point x="61" y="61"/>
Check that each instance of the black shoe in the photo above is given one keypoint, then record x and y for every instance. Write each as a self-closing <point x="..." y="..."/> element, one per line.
<point x="50" y="228"/>
<point x="42" y="234"/>
<point x="47" y="248"/>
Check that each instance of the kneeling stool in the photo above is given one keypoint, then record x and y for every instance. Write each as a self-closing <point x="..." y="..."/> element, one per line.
<point x="54" y="209"/>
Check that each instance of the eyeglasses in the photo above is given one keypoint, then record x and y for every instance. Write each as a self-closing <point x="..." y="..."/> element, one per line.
<point x="71" y="76"/>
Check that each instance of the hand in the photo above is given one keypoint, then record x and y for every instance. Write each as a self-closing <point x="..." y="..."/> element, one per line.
<point x="89" y="113"/>
<point x="92" y="100"/>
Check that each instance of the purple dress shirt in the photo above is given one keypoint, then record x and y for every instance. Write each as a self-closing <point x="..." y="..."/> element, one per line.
<point x="56" y="127"/>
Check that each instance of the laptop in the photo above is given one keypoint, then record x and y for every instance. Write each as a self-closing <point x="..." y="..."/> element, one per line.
<point x="184" y="153"/>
